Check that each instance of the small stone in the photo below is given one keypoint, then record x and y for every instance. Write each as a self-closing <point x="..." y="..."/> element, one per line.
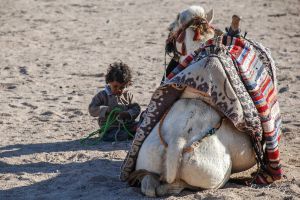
<point x="23" y="70"/>
<point x="284" y="89"/>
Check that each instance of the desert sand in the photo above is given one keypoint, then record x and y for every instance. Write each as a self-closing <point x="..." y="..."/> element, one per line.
<point x="53" y="58"/>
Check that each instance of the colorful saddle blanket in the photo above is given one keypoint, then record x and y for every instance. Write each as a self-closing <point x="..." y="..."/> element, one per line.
<point x="237" y="78"/>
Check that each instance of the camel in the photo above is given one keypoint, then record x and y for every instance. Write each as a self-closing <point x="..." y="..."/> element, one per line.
<point x="209" y="166"/>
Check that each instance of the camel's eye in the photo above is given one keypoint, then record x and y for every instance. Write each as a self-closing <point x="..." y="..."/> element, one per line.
<point x="178" y="16"/>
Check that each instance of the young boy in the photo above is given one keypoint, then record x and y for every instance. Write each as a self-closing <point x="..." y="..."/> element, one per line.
<point x="118" y="77"/>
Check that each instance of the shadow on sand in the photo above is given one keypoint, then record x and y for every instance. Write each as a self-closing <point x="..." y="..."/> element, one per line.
<point x="74" y="145"/>
<point x="92" y="179"/>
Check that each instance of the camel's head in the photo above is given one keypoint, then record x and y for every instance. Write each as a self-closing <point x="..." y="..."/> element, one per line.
<point x="187" y="15"/>
<point x="191" y="27"/>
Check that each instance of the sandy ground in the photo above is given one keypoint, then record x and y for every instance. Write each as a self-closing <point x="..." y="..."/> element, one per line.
<point x="53" y="57"/>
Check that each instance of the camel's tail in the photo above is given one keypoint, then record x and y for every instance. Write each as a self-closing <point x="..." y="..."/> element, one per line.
<point x="173" y="159"/>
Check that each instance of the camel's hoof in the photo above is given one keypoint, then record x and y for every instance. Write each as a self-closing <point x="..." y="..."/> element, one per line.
<point x="149" y="185"/>
<point x="169" y="189"/>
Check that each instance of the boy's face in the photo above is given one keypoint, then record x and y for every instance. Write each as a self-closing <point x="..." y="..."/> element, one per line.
<point x="116" y="87"/>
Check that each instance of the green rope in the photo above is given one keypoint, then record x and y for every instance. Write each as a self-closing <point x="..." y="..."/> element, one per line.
<point x="111" y="119"/>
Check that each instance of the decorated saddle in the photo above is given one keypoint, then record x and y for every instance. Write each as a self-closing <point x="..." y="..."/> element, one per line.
<point x="237" y="77"/>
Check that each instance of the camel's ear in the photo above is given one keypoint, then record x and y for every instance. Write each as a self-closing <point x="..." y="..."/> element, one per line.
<point x="173" y="25"/>
<point x="210" y="16"/>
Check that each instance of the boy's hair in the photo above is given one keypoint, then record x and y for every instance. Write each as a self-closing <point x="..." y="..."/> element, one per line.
<point x="120" y="72"/>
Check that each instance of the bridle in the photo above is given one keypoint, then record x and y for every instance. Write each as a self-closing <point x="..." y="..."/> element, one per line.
<point x="198" y="24"/>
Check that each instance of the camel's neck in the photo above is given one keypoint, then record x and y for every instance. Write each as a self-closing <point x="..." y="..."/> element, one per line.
<point x="192" y="45"/>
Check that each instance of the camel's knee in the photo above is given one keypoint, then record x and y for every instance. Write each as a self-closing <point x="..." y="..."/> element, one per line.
<point x="149" y="185"/>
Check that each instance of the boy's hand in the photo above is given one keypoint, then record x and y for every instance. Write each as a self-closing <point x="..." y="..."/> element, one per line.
<point x="109" y="109"/>
<point x="124" y="116"/>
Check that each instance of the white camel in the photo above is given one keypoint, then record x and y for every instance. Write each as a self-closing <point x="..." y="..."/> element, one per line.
<point x="189" y="119"/>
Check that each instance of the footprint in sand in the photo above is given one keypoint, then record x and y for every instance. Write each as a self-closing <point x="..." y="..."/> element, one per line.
<point x="284" y="89"/>
<point x="47" y="113"/>
<point x="45" y="116"/>
<point x="78" y="157"/>
<point x="12" y="105"/>
<point x="5" y="115"/>
<point x="9" y="86"/>
<point x="73" y="112"/>
<point x="29" y="105"/>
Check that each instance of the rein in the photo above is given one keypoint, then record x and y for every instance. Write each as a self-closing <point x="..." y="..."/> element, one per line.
<point x="111" y="119"/>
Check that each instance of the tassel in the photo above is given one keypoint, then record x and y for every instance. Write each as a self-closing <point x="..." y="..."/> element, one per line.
<point x="197" y="35"/>
<point x="181" y="37"/>
<point x="183" y="49"/>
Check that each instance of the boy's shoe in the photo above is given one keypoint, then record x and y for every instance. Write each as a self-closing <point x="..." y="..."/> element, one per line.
<point x="115" y="135"/>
